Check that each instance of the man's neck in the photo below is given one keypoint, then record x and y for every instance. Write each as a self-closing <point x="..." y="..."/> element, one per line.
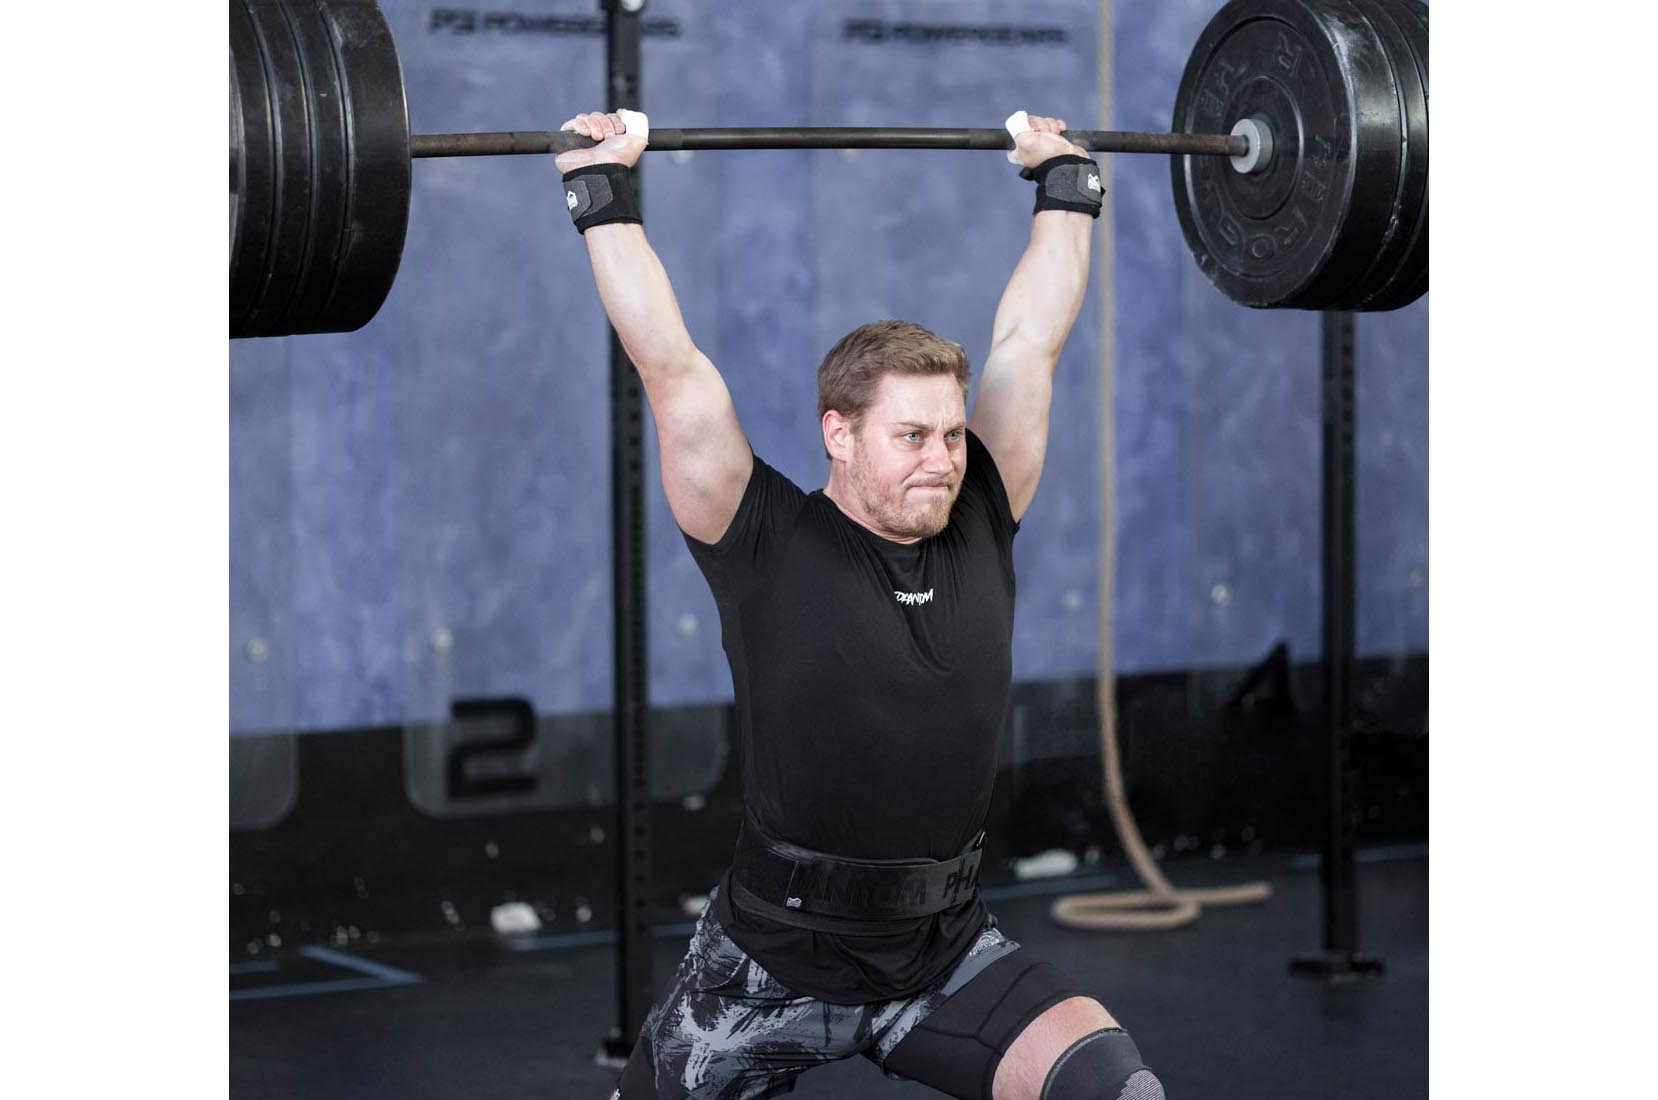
<point x="838" y="491"/>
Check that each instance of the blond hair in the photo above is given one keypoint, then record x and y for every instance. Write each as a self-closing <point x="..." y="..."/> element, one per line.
<point x="852" y="371"/>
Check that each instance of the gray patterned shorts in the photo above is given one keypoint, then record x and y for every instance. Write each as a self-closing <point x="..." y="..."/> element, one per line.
<point x="728" y="1030"/>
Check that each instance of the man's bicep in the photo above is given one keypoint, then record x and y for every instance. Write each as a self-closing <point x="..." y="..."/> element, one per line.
<point x="706" y="459"/>
<point x="1010" y="417"/>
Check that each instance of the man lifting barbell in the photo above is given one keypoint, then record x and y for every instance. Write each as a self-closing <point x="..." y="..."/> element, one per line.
<point x="869" y="630"/>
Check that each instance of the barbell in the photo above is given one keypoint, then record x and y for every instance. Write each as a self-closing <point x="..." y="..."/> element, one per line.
<point x="1299" y="157"/>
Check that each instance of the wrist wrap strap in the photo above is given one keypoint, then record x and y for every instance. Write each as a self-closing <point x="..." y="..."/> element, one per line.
<point x="1067" y="183"/>
<point x="598" y="194"/>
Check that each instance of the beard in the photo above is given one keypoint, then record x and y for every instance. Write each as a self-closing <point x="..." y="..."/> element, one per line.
<point x="896" y="509"/>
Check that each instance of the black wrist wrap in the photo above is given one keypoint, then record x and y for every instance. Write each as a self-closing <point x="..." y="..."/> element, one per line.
<point x="598" y="194"/>
<point x="1067" y="183"/>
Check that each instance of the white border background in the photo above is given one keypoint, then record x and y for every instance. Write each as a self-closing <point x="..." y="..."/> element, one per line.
<point x="114" y="581"/>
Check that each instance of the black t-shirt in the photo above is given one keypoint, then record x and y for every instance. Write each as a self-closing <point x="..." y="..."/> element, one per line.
<point x="871" y="682"/>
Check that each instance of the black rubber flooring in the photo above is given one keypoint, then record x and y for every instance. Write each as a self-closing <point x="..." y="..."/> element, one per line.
<point x="1212" y="1006"/>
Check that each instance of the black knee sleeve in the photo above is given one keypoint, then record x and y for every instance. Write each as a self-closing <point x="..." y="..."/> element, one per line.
<point x="638" y="1081"/>
<point x="957" y="1049"/>
<point x="1103" y="1065"/>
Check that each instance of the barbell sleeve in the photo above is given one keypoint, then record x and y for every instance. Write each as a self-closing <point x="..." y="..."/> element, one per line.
<point x="665" y="139"/>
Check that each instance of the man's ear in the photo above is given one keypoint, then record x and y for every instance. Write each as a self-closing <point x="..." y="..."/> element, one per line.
<point x="838" y="436"/>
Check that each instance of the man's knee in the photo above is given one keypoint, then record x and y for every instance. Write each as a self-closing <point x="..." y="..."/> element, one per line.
<point x="1102" y="1065"/>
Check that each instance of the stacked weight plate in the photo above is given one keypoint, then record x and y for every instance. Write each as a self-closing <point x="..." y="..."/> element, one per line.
<point x="319" y="176"/>
<point x="1400" y="275"/>
<point x="1338" y="220"/>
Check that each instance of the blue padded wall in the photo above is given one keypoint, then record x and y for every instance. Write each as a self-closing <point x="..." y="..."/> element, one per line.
<point x="1218" y="430"/>
<point x="420" y="510"/>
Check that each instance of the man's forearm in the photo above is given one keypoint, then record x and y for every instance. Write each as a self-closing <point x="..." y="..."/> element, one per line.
<point x="638" y="298"/>
<point x="1045" y="294"/>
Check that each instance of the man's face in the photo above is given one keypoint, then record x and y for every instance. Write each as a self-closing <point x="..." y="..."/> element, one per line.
<point x="910" y="454"/>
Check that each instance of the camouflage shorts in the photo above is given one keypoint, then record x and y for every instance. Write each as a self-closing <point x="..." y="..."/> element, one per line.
<point x="728" y="1030"/>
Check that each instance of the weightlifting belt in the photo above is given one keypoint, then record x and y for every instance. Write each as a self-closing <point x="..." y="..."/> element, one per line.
<point x="802" y="881"/>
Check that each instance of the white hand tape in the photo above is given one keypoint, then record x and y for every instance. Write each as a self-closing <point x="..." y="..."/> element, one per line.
<point x="635" y="122"/>
<point x="1017" y="123"/>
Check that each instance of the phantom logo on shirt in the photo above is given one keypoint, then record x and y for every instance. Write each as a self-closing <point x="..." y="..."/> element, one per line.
<point x="910" y="599"/>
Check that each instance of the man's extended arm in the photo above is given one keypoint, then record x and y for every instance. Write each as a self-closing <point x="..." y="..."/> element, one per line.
<point x="1034" y="318"/>
<point x="706" y="459"/>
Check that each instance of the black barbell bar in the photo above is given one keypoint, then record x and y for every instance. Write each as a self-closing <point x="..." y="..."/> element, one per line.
<point x="664" y="139"/>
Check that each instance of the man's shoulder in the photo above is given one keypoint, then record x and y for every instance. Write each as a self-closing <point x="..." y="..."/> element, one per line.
<point x="769" y="503"/>
<point x="983" y="483"/>
<point x="977" y="453"/>
<point x="772" y="483"/>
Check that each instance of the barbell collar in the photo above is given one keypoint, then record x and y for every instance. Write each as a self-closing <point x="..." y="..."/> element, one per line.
<point x="1259" y="136"/>
<point x="663" y="139"/>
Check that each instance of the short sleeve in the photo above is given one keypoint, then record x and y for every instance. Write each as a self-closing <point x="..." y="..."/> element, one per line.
<point x="765" y="517"/>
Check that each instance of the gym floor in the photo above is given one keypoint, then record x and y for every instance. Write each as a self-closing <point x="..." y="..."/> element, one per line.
<point x="1212" y="1005"/>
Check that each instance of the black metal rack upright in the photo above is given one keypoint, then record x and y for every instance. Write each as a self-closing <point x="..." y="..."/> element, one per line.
<point x="627" y="531"/>
<point x="1338" y="867"/>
